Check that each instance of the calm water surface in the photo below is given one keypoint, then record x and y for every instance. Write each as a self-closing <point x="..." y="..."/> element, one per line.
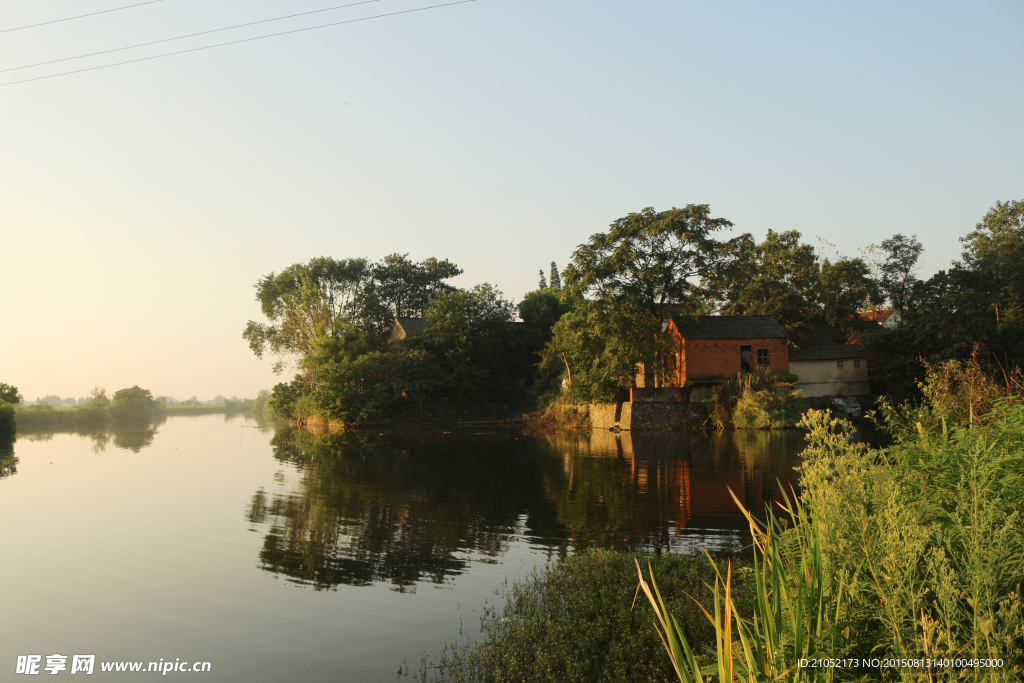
<point x="277" y="555"/>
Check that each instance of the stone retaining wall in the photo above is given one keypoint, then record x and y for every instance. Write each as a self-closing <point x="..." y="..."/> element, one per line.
<point x="642" y="416"/>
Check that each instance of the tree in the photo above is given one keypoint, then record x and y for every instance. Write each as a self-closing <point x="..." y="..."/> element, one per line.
<point x="543" y="284"/>
<point x="995" y="250"/>
<point x="588" y="356"/>
<point x="541" y="309"/>
<point x="646" y="262"/>
<point x="10" y="394"/>
<point x="897" y="271"/>
<point x="99" y="398"/>
<point x="845" y="289"/>
<point x="396" y="287"/>
<point x="299" y="301"/>
<point x="555" y="280"/>
<point x="778" y="277"/>
<point x="650" y="258"/>
<point x="134" y="403"/>
<point x="471" y="332"/>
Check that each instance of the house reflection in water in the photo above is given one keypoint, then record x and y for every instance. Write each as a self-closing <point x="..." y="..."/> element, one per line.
<point x="405" y="508"/>
<point x="694" y="473"/>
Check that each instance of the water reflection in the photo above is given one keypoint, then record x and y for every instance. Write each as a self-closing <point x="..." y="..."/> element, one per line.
<point x="420" y="506"/>
<point x="132" y="436"/>
<point x="8" y="463"/>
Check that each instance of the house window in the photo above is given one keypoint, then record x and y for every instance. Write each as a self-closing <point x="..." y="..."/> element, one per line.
<point x="839" y="363"/>
<point x="856" y="362"/>
<point x="762" y="357"/>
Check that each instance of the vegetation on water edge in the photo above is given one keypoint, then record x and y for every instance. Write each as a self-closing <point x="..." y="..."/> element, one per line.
<point x="912" y="552"/>
<point x="763" y="399"/>
<point x="133" y="404"/>
<point x="8" y="425"/>
<point x="573" y="622"/>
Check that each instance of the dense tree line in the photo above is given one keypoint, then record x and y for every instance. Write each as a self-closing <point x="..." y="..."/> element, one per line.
<point x="622" y="284"/>
<point x="975" y="308"/>
<point x="332" y="319"/>
<point x="585" y="331"/>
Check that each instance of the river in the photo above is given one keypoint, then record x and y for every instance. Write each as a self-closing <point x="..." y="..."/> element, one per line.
<point x="276" y="555"/>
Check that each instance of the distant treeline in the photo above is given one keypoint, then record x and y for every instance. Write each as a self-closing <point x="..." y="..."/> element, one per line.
<point x="130" y="405"/>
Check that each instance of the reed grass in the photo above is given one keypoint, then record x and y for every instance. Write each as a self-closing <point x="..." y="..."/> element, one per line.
<point x="912" y="553"/>
<point x="572" y="622"/>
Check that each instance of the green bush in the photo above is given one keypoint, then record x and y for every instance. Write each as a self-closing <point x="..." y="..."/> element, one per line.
<point x="134" y="403"/>
<point x="376" y="385"/>
<point x="756" y="400"/>
<point x="8" y="424"/>
<point x="915" y="552"/>
<point x="573" y="622"/>
<point x="931" y="534"/>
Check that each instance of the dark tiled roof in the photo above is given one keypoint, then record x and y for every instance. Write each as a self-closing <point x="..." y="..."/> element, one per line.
<point x="411" y="325"/>
<point x="729" y="327"/>
<point x="828" y="352"/>
<point x="817" y="334"/>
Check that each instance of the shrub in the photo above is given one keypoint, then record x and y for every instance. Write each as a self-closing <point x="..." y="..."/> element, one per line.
<point x="134" y="403"/>
<point x="756" y="400"/>
<point x="573" y="622"/>
<point x="931" y="533"/>
<point x="8" y="425"/>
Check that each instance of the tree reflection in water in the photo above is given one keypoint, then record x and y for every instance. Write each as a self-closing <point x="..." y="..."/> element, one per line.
<point x="133" y="436"/>
<point x="405" y="507"/>
<point x="8" y="463"/>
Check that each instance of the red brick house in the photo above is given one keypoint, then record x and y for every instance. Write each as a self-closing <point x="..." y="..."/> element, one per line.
<point x="712" y="346"/>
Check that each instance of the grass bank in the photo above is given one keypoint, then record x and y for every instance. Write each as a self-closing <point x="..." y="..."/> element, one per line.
<point x="573" y="622"/>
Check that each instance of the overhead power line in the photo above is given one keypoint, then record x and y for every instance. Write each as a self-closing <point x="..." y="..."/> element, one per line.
<point x="81" y="16"/>
<point x="236" y="42"/>
<point x="190" y="35"/>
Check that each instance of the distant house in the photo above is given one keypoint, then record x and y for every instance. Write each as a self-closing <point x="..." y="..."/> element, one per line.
<point x="886" y="317"/>
<point x="827" y="364"/>
<point x="713" y="346"/>
<point x="406" y="327"/>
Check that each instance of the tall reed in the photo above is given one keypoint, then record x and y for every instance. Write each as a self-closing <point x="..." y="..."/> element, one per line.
<point x="911" y="553"/>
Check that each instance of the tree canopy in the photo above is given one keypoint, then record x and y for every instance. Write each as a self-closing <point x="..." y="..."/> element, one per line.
<point x="10" y="394"/>
<point x="308" y="300"/>
<point x="650" y="259"/>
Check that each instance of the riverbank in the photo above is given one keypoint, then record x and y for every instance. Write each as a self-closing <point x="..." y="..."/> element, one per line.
<point x="45" y="416"/>
<point x="575" y="621"/>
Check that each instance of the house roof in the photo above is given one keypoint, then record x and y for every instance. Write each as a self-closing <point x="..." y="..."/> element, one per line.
<point x="819" y="334"/>
<point x="879" y="316"/>
<point x="828" y="352"/>
<point x="729" y="327"/>
<point x="406" y="327"/>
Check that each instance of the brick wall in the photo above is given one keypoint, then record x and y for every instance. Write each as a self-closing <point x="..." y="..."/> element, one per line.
<point x="709" y="357"/>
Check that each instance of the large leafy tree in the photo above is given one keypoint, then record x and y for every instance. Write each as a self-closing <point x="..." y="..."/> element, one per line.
<point x="10" y="394"/>
<point x="975" y="308"/>
<point x="302" y="300"/>
<point x="471" y="332"/>
<point x="845" y="289"/>
<point x="778" y="277"/>
<point x="397" y="287"/>
<point x="995" y="250"/>
<point x="645" y="263"/>
<point x="651" y="259"/>
<point x="897" y="271"/>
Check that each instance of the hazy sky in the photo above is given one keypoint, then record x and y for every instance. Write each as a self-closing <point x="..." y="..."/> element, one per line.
<point x="139" y="204"/>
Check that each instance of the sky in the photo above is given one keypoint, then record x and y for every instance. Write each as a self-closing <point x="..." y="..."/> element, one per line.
<point x="140" y="203"/>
